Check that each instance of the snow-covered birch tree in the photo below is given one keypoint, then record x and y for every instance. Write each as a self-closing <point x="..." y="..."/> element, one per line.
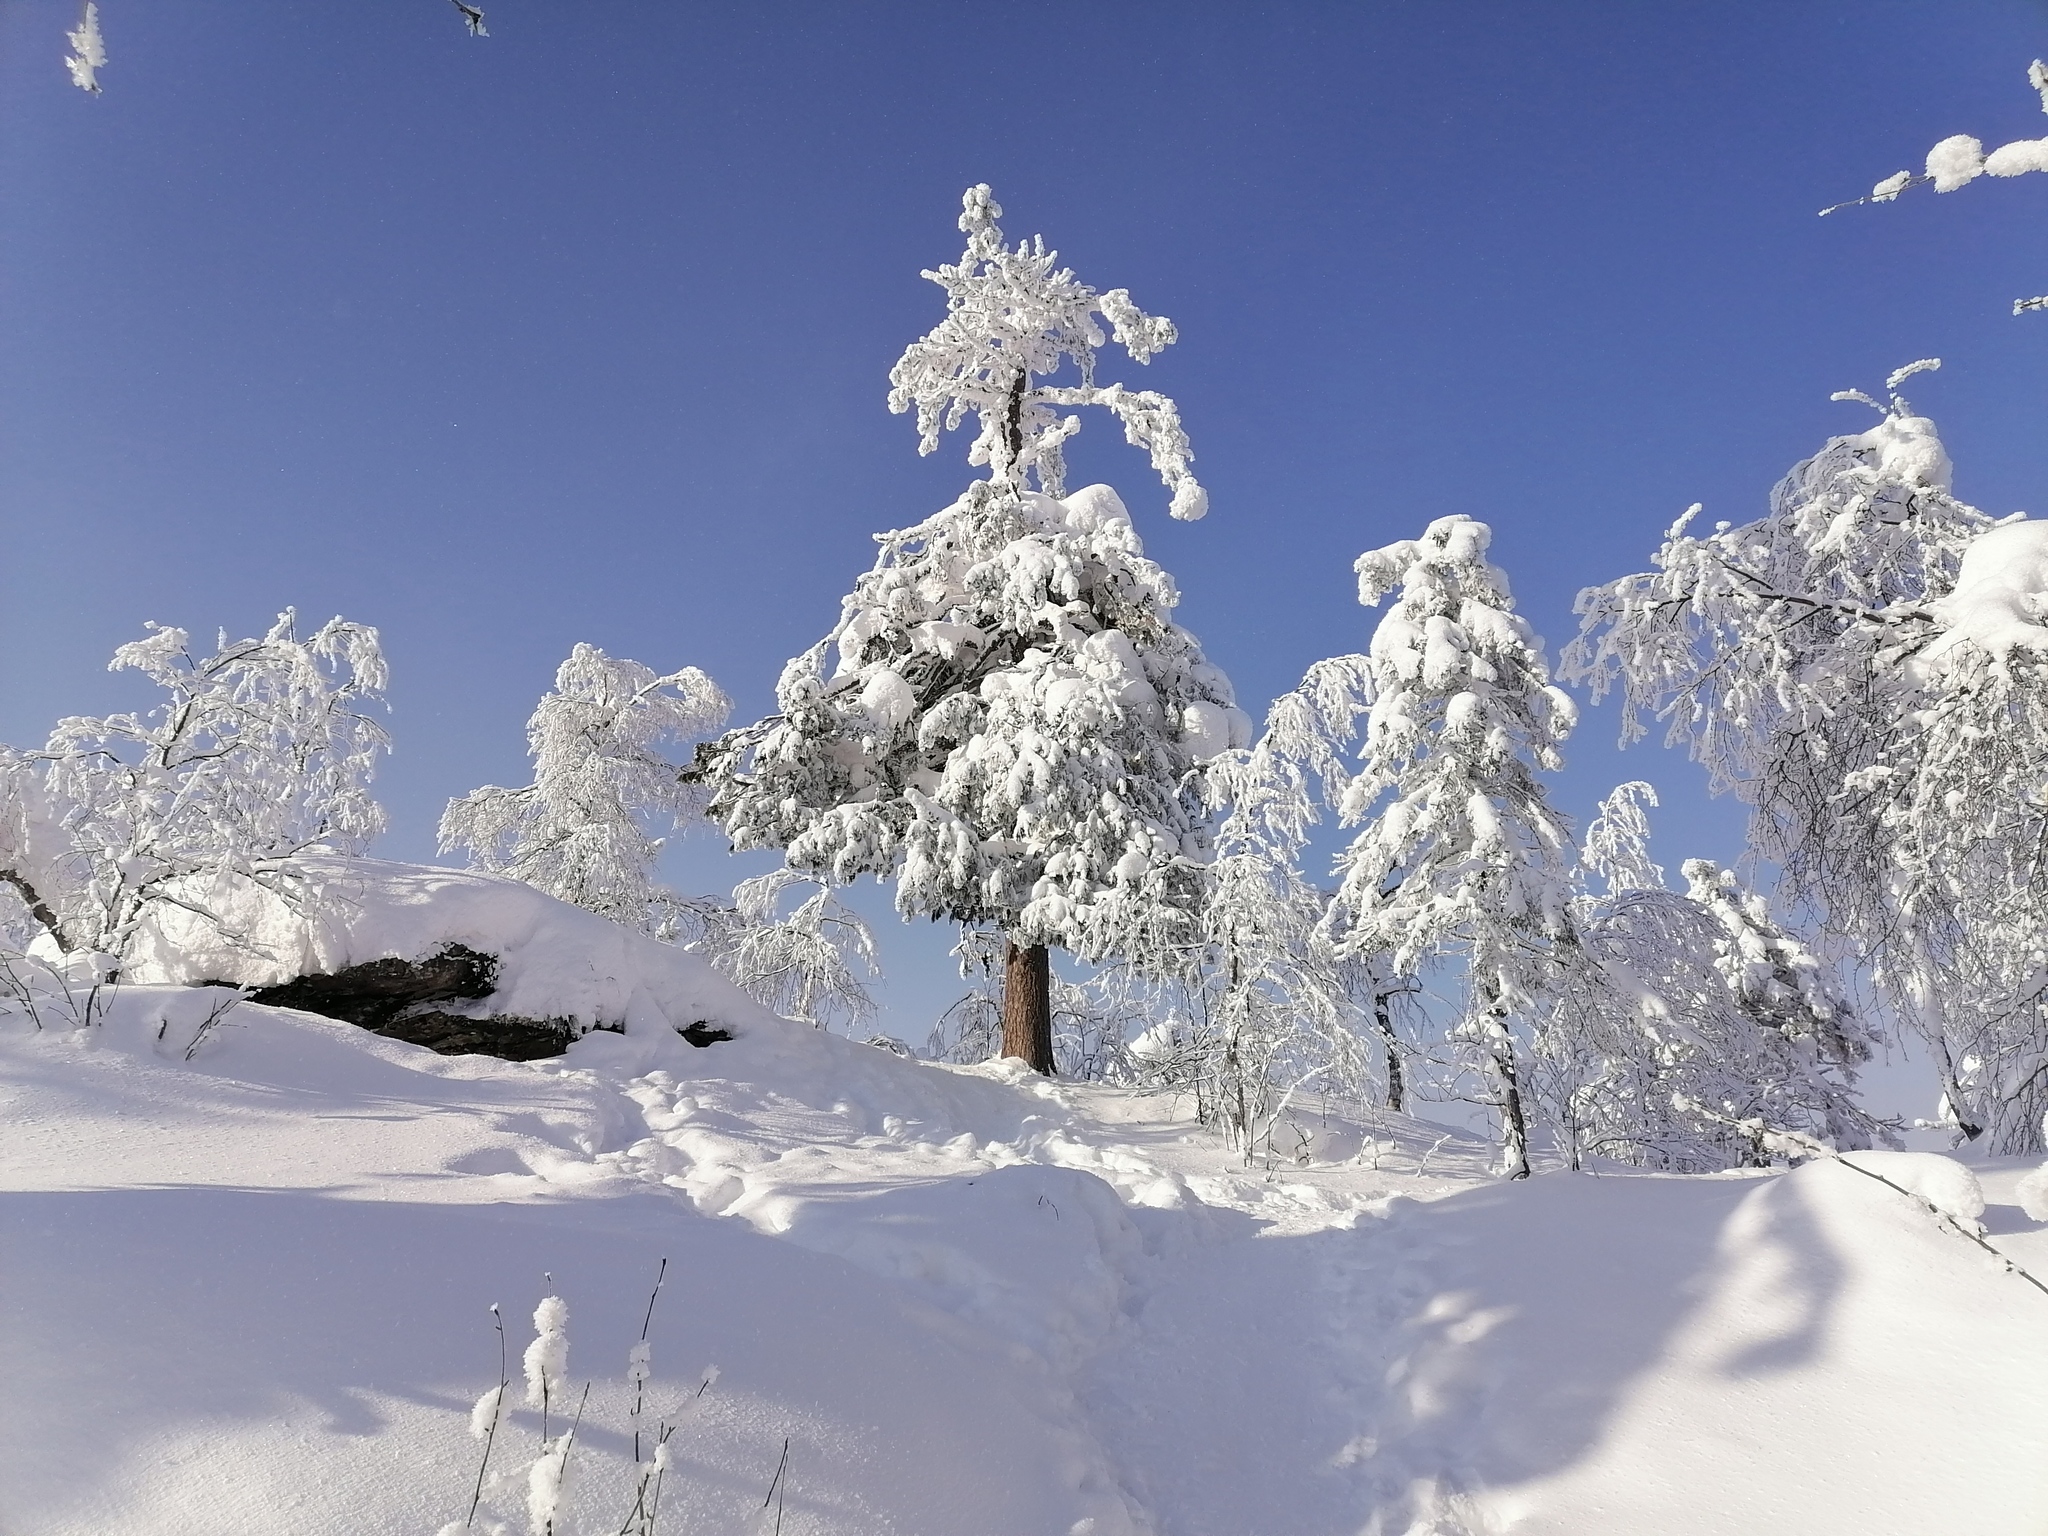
<point x="1681" y="1013"/>
<point x="1006" y="720"/>
<point x="1460" y="854"/>
<point x="1864" y="667"/>
<point x="590" y="826"/>
<point x="261" y="751"/>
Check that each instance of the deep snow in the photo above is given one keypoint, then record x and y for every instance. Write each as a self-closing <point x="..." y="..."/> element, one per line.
<point x="247" y="1293"/>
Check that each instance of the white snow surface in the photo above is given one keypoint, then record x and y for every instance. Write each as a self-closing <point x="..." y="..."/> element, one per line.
<point x="247" y="1292"/>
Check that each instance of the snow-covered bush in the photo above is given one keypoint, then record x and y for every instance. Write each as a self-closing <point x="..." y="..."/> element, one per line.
<point x="1006" y="721"/>
<point x="1460" y="854"/>
<point x="1669" y="1002"/>
<point x="260" y="753"/>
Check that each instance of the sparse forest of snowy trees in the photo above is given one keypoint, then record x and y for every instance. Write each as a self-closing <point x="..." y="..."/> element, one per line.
<point x="1006" y="723"/>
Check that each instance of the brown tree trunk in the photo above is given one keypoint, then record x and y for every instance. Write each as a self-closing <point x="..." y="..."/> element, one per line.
<point x="1027" y="1006"/>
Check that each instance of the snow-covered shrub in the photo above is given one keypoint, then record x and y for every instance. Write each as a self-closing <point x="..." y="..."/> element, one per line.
<point x="1006" y="721"/>
<point x="1668" y="1003"/>
<point x="261" y="753"/>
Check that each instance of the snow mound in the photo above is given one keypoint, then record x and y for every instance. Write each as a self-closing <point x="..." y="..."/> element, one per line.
<point x="2032" y="1192"/>
<point x="555" y="961"/>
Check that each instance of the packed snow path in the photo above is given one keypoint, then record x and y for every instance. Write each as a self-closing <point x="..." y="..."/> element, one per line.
<point x="247" y="1293"/>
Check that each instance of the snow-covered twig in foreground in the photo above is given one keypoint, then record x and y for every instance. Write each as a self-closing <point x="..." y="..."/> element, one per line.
<point x="1792" y="1143"/>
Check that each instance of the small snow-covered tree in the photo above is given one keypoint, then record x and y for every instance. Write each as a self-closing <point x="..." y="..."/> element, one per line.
<point x="1864" y="666"/>
<point x="1677" y="1015"/>
<point x="1461" y="854"/>
<point x="1960" y="159"/>
<point x="261" y="751"/>
<point x="1006" y="720"/>
<point x="591" y="824"/>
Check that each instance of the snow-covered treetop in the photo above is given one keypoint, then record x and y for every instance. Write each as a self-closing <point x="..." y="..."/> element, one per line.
<point x="1858" y="544"/>
<point x="1617" y="845"/>
<point x="588" y="828"/>
<point x="1013" y="316"/>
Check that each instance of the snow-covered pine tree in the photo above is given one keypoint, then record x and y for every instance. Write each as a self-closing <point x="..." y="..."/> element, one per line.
<point x="261" y="751"/>
<point x="1461" y="853"/>
<point x="1679" y="1014"/>
<point x="1863" y="665"/>
<point x="1006" y="719"/>
<point x="591" y="824"/>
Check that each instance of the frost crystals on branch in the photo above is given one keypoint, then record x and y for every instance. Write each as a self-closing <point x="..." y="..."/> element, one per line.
<point x="1461" y="853"/>
<point x="88" y="51"/>
<point x="1006" y="719"/>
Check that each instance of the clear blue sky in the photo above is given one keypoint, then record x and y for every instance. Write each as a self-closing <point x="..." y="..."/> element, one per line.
<point x="580" y="332"/>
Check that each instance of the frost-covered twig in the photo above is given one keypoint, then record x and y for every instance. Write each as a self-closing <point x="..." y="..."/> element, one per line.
<point x="88" y="51"/>
<point x="1960" y="159"/>
<point x="495" y="1399"/>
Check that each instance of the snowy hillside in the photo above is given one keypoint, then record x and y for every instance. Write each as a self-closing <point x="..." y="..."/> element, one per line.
<point x="246" y="1292"/>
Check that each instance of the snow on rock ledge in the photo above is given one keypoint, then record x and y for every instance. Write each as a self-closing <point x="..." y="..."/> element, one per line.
<point x="554" y="961"/>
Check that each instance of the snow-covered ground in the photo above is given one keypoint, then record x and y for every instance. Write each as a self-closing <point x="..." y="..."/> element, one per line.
<point x="247" y="1292"/>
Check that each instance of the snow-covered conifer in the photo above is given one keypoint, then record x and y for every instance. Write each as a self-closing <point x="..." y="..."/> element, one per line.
<point x="261" y="751"/>
<point x="1460" y="853"/>
<point x="1006" y="719"/>
<point x="588" y="828"/>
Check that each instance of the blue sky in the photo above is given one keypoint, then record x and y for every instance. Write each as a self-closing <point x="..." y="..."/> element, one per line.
<point x="581" y="332"/>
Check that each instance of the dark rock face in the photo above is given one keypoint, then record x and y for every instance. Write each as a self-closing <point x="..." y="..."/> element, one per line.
<point x="394" y="998"/>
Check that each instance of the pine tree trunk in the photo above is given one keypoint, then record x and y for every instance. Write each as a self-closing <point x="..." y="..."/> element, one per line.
<point x="1027" y="1006"/>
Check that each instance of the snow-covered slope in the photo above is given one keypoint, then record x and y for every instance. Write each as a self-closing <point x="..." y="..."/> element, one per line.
<point x="246" y="1292"/>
